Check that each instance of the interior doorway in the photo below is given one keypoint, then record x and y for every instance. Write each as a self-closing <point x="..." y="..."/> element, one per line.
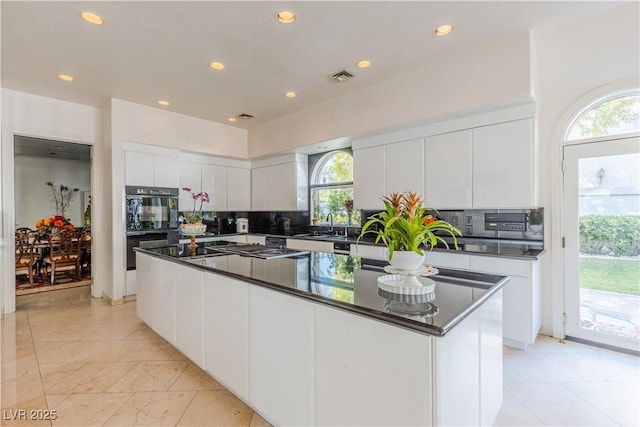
<point x="602" y="241"/>
<point x="52" y="178"/>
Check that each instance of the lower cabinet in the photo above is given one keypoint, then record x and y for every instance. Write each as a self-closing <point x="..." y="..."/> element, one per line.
<point x="281" y="357"/>
<point x="310" y="245"/>
<point x="156" y="301"/>
<point x="399" y="360"/>
<point x="189" y="297"/>
<point x="226" y="335"/>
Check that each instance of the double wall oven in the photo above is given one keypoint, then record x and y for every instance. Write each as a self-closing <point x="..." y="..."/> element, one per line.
<point x="152" y="218"/>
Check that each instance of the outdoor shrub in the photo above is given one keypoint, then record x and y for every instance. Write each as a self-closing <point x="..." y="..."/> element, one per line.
<point x="610" y="235"/>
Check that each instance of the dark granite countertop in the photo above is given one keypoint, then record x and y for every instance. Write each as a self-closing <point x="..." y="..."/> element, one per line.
<point x="350" y="283"/>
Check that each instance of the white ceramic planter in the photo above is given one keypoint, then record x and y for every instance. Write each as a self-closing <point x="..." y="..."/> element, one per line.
<point x="406" y="260"/>
<point x="193" y="229"/>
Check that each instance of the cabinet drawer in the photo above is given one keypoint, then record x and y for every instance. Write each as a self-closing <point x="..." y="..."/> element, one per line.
<point x="450" y="260"/>
<point x="508" y="267"/>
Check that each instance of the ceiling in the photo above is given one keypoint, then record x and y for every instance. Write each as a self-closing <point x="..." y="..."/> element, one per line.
<point x="147" y="51"/>
<point x="27" y="146"/>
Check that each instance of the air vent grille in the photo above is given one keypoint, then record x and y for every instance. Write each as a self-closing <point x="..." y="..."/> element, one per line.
<point x="342" y="76"/>
<point x="245" y="116"/>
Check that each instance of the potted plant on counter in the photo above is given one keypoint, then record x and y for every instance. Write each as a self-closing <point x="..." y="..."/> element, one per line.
<point x="406" y="227"/>
<point x="316" y="215"/>
<point x="194" y="223"/>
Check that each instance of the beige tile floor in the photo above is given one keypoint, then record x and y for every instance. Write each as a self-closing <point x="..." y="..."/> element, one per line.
<point x="95" y="364"/>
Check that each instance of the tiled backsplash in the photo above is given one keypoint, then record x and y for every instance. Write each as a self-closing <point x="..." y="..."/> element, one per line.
<point x="284" y="222"/>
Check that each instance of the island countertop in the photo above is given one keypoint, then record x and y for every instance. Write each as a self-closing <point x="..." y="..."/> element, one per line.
<point x="350" y="283"/>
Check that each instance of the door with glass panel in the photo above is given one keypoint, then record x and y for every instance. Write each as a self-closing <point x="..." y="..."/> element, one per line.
<point x="602" y="241"/>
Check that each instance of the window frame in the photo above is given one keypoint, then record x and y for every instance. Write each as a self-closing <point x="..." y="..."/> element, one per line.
<point x="315" y="168"/>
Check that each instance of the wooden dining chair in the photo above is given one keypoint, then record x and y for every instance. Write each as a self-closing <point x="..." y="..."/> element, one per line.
<point x="26" y="240"/>
<point x="65" y="249"/>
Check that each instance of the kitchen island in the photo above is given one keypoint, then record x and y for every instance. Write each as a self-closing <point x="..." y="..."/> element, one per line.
<point x="310" y="340"/>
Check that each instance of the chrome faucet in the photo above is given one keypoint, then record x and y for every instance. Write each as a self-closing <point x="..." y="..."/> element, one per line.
<point x="330" y="219"/>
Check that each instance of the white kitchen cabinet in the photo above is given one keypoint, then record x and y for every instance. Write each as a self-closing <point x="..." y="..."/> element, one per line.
<point x="215" y="183"/>
<point x="340" y="340"/>
<point x="156" y="303"/>
<point x="165" y="171"/>
<point x="310" y="245"/>
<point x="369" y="177"/>
<point x="189" y="318"/>
<point x="280" y="187"/>
<point x="189" y="176"/>
<point x="258" y="189"/>
<point x="239" y="189"/>
<point x="404" y="167"/>
<point x="138" y="168"/>
<point x="227" y="332"/>
<point x="281" y="357"/>
<point x="504" y="165"/>
<point x="447" y="164"/>
<point x="369" y="251"/>
<point x="521" y="297"/>
<point x="447" y="260"/>
<point x="151" y="170"/>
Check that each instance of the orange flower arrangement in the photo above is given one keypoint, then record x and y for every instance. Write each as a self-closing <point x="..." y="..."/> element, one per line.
<point x="53" y="225"/>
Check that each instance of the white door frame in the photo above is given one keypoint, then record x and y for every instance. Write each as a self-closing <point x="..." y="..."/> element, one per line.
<point x="595" y="147"/>
<point x="8" y="284"/>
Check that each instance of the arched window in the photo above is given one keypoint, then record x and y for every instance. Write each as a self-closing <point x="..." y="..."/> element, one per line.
<point x="332" y="189"/>
<point x="610" y="117"/>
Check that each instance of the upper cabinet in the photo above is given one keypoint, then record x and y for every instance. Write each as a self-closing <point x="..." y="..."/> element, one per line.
<point x="504" y="165"/>
<point x="227" y="182"/>
<point x="280" y="184"/>
<point x="447" y="170"/>
<point x="462" y="163"/>
<point x="150" y="166"/>
<point x="368" y="177"/>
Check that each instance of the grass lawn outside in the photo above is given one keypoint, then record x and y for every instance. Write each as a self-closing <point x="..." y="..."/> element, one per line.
<point x="610" y="274"/>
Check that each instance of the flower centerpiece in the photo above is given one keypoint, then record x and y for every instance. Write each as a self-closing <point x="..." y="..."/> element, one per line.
<point x="45" y="227"/>
<point x="407" y="227"/>
<point x="194" y="223"/>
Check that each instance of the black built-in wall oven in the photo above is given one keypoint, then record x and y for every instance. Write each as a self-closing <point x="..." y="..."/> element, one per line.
<point x="152" y="217"/>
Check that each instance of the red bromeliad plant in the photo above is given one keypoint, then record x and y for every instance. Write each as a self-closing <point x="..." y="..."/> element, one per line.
<point x="407" y="225"/>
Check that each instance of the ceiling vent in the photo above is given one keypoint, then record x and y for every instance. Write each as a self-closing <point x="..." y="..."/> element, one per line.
<point x="342" y="76"/>
<point x="245" y="116"/>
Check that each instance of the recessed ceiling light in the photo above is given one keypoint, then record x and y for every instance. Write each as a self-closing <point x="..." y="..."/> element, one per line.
<point x="92" y="18"/>
<point x="232" y="119"/>
<point x="65" y="77"/>
<point x="443" y="30"/>
<point x="365" y="63"/>
<point x="163" y="102"/>
<point x="286" y="17"/>
<point x="217" y="65"/>
<point x="290" y="94"/>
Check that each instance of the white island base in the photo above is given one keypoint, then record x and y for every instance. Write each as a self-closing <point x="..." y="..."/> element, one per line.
<point x="300" y="362"/>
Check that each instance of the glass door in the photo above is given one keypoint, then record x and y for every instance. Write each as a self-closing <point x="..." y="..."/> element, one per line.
<point x="602" y="241"/>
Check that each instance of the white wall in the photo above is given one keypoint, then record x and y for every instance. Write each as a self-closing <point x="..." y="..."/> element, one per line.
<point x="41" y="117"/>
<point x="577" y="64"/>
<point x="154" y="126"/>
<point x="33" y="196"/>
<point x="493" y="76"/>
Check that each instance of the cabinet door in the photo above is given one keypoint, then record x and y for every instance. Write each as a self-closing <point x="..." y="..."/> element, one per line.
<point x="343" y="375"/>
<point x="504" y="165"/>
<point x="189" y="290"/>
<point x="281" y="357"/>
<point x="404" y="167"/>
<point x="138" y="168"/>
<point x="215" y="183"/>
<point x="310" y="245"/>
<point x="144" y="300"/>
<point x="271" y="190"/>
<point x="161" y="294"/>
<point x="447" y="163"/>
<point x="258" y="187"/>
<point x="287" y="187"/>
<point x="165" y="171"/>
<point x="190" y="176"/>
<point x="227" y="332"/>
<point x="238" y="189"/>
<point x="368" y="177"/>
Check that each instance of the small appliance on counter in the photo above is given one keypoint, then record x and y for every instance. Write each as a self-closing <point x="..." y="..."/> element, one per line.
<point x="242" y="225"/>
